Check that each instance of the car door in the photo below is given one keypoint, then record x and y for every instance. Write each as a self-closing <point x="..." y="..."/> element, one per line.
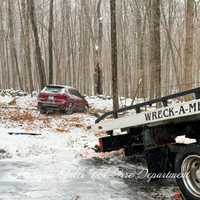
<point x="81" y="101"/>
<point x="74" y="99"/>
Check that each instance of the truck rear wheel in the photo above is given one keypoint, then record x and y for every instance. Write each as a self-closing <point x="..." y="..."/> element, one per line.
<point x="187" y="165"/>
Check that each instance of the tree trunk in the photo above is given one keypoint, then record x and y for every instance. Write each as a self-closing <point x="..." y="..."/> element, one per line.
<point x="155" y="58"/>
<point x="114" y="58"/>
<point x="13" y="51"/>
<point x="140" y="51"/>
<point x="188" y="51"/>
<point x="39" y="59"/>
<point x="27" y="49"/>
<point x="50" y="39"/>
<point x="98" y="87"/>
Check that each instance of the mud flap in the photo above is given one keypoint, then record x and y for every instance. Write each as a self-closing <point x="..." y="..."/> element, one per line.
<point x="126" y="141"/>
<point x="113" y="143"/>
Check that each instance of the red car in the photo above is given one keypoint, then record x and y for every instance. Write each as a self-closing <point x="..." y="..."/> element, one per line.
<point x="61" y="98"/>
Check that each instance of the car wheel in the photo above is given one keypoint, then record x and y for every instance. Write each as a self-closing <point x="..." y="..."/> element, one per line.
<point x="70" y="109"/>
<point x="187" y="165"/>
<point x="42" y="111"/>
<point x="84" y="109"/>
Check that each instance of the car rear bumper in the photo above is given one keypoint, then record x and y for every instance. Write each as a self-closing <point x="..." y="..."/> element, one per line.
<point x="52" y="106"/>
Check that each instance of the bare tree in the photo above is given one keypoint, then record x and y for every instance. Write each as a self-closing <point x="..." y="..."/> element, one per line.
<point x="50" y="42"/>
<point x="169" y="41"/>
<point x="155" y="58"/>
<point x="98" y="88"/>
<point x="114" y="57"/>
<point x="13" y="51"/>
<point x="188" y="51"/>
<point x="25" y="19"/>
<point x="141" y="26"/>
<point x="39" y="59"/>
<point x="151" y="60"/>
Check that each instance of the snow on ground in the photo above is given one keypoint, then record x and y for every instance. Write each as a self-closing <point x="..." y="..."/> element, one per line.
<point x="105" y="103"/>
<point x="27" y="101"/>
<point x="4" y="100"/>
<point x="102" y="103"/>
<point x="60" y="163"/>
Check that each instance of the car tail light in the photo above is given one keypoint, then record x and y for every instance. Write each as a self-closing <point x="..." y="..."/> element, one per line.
<point x="42" y="97"/>
<point x="61" y="97"/>
<point x="101" y="146"/>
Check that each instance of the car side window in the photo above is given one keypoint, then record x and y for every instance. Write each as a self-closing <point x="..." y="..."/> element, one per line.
<point x="75" y="93"/>
<point x="70" y="91"/>
<point x="78" y="94"/>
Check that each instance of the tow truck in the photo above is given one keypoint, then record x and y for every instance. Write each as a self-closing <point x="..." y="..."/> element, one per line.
<point x="153" y="130"/>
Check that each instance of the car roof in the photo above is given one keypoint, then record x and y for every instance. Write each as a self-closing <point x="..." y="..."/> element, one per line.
<point x="63" y="86"/>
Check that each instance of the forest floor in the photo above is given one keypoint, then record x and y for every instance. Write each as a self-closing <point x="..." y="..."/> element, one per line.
<point x="58" y="163"/>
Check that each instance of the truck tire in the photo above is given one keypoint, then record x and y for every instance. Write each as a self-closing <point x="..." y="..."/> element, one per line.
<point x="187" y="164"/>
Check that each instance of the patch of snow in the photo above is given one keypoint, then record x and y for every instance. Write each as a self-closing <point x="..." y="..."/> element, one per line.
<point x="4" y="100"/>
<point x="184" y="140"/>
<point x="106" y="103"/>
<point x="27" y="101"/>
<point x="99" y="103"/>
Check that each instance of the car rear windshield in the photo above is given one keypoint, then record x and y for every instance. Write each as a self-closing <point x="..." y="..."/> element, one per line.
<point x="53" y="89"/>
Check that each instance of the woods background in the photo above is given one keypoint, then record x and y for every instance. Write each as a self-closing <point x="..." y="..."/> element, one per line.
<point x="68" y="42"/>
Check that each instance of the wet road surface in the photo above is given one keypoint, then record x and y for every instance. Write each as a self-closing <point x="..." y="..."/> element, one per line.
<point x="50" y="167"/>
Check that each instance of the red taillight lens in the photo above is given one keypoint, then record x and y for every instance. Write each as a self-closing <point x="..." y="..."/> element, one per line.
<point x="101" y="145"/>
<point x="61" y="97"/>
<point x="42" y="97"/>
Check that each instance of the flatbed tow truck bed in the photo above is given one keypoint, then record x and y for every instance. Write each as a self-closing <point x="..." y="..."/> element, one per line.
<point x="153" y="132"/>
<point x="180" y="112"/>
